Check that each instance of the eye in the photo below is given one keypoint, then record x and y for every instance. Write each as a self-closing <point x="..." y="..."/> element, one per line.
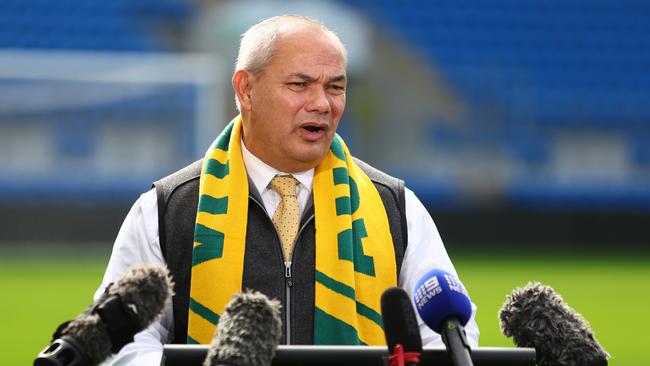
<point x="297" y="84"/>
<point x="337" y="88"/>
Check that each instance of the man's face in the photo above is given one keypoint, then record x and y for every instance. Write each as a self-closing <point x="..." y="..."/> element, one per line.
<point x="296" y="102"/>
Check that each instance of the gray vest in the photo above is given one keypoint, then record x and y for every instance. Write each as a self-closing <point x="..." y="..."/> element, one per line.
<point x="264" y="268"/>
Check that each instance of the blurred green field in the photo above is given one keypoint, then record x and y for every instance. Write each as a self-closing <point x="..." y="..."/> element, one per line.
<point x="612" y="291"/>
<point x="43" y="288"/>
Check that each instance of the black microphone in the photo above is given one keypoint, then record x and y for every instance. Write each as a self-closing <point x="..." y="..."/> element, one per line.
<point x="401" y="328"/>
<point x="248" y="332"/>
<point x="124" y="309"/>
<point x="536" y="316"/>
<point x="444" y="306"/>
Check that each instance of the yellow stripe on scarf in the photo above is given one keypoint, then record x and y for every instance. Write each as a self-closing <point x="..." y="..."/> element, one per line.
<point x="355" y="259"/>
<point x="220" y="233"/>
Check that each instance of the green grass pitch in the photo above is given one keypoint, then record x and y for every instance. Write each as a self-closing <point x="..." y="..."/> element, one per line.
<point x="611" y="291"/>
<point x="41" y="289"/>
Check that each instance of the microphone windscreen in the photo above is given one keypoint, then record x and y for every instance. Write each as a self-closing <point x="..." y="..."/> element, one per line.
<point x="90" y="332"/>
<point x="400" y="323"/>
<point x="141" y="293"/>
<point x="145" y="289"/>
<point x="248" y="332"/>
<point x="536" y="316"/>
<point x="439" y="295"/>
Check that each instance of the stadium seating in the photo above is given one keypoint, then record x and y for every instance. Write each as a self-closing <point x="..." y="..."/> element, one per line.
<point x="547" y="66"/>
<point x="116" y="25"/>
<point x="574" y="61"/>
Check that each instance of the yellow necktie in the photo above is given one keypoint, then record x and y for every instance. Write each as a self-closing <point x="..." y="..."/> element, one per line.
<point x="287" y="215"/>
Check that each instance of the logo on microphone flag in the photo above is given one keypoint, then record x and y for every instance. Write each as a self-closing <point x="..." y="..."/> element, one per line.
<point x="429" y="289"/>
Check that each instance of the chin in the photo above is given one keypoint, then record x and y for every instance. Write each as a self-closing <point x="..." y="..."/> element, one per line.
<point x="309" y="160"/>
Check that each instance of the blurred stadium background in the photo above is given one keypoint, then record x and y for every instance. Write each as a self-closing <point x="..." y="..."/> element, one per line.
<point x="524" y="127"/>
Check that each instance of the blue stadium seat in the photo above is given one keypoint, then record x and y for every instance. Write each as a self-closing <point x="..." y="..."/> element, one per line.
<point x="116" y="25"/>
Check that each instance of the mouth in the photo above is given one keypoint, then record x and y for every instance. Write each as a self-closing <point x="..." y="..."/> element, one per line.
<point x="313" y="131"/>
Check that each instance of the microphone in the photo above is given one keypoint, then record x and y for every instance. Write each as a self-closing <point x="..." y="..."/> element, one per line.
<point x="125" y="308"/>
<point x="444" y="306"/>
<point x="401" y="328"/>
<point x="536" y="316"/>
<point x="248" y="332"/>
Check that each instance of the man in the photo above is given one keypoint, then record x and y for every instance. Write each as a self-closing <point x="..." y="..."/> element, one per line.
<point x="282" y="208"/>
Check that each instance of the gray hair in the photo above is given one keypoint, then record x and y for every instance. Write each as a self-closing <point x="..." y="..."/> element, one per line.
<point x="258" y="42"/>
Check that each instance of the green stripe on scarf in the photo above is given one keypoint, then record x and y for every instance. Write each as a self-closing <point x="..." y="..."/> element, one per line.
<point x="348" y="292"/>
<point x="215" y="168"/>
<point x="334" y="285"/>
<point x="215" y="206"/>
<point x="204" y="312"/>
<point x="332" y="331"/>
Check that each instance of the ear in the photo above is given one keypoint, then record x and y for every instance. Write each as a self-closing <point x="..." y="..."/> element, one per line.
<point x="242" y="83"/>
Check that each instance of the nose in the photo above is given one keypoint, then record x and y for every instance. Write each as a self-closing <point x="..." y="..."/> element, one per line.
<point x="318" y="101"/>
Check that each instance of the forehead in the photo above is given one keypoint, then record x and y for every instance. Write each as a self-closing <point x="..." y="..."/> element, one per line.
<point x="304" y="49"/>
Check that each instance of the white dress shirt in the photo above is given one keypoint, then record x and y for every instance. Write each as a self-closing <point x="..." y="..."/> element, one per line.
<point x="137" y="243"/>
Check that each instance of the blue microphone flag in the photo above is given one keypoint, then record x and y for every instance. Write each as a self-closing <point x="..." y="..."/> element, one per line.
<point x="439" y="295"/>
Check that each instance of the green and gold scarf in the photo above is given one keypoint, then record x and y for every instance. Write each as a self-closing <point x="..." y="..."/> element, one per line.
<point x="355" y="260"/>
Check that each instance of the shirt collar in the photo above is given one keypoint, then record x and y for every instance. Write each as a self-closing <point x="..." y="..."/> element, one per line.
<point x="261" y="173"/>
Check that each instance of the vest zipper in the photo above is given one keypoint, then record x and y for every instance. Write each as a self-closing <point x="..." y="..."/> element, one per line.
<point x="288" y="283"/>
<point x="288" y="278"/>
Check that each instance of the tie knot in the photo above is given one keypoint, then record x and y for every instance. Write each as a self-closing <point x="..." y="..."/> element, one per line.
<point x="285" y="185"/>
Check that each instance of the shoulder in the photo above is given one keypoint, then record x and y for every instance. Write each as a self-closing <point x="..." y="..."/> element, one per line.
<point x="386" y="184"/>
<point x="166" y="186"/>
<point x="176" y="198"/>
<point x="379" y="177"/>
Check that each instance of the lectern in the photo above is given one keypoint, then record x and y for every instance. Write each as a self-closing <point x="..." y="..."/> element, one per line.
<point x="194" y="355"/>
